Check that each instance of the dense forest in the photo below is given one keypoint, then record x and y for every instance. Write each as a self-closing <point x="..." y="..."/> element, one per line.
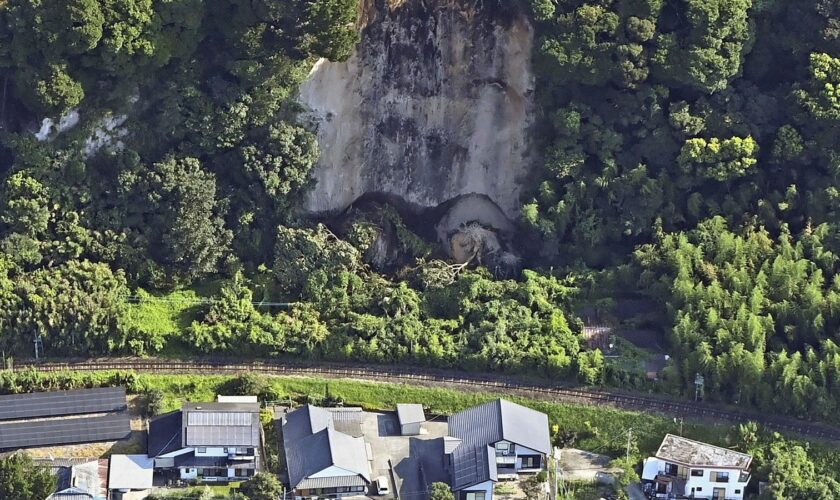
<point x="689" y="153"/>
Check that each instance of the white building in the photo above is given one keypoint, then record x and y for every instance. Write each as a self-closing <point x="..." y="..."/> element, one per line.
<point x="683" y="468"/>
<point x="207" y="442"/>
<point x="495" y="441"/>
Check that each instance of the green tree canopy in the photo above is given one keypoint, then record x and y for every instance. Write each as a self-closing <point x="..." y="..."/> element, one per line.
<point x="22" y="479"/>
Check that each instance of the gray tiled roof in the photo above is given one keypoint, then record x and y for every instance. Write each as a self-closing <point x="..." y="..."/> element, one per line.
<point x="305" y="421"/>
<point x="77" y="481"/>
<point x="312" y="444"/>
<point x="348" y="421"/>
<point x="331" y="482"/>
<point x="501" y="420"/>
<point x="71" y="494"/>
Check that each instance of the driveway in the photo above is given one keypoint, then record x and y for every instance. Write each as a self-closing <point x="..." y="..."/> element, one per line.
<point x="416" y="460"/>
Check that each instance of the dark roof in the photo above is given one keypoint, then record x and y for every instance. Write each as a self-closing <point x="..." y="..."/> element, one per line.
<point x="193" y="460"/>
<point x="65" y="431"/>
<point x="312" y="444"/>
<point x="501" y="420"/>
<point x="165" y="434"/>
<point x="63" y="477"/>
<point x="473" y="465"/>
<point x="62" y="403"/>
<point x="480" y="427"/>
<point x="305" y="421"/>
<point x="220" y="424"/>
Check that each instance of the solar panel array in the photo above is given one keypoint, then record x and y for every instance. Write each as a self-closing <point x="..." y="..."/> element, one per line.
<point x="65" y="431"/>
<point x="219" y="418"/>
<point x="220" y="435"/>
<point x="62" y="403"/>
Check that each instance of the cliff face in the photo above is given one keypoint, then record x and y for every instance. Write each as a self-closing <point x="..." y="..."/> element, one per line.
<point x="436" y="103"/>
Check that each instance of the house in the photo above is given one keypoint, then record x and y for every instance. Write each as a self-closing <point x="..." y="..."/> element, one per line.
<point x="683" y="468"/>
<point x="322" y="457"/>
<point x="77" y="478"/>
<point x="494" y="441"/>
<point x="130" y="476"/>
<point x="207" y="441"/>
<point x="411" y="417"/>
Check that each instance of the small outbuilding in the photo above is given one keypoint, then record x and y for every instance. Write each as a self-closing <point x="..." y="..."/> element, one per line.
<point x="129" y="473"/>
<point x="411" y="418"/>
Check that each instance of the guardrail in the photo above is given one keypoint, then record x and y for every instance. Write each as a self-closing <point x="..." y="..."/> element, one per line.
<point x="546" y="390"/>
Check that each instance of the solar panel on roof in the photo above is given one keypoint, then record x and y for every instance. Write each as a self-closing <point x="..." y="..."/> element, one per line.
<point x="62" y="403"/>
<point x="209" y="435"/>
<point x="65" y="431"/>
<point x="219" y="418"/>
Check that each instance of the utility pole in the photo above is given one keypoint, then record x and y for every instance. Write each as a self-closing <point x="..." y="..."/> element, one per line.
<point x="699" y="382"/>
<point x="39" y="346"/>
<point x="629" y="436"/>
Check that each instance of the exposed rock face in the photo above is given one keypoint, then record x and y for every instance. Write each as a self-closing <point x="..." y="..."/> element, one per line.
<point x="436" y="103"/>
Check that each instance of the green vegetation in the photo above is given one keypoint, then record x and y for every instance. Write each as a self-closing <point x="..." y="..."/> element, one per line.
<point x="204" y="492"/>
<point x="793" y="467"/>
<point x="441" y="491"/>
<point x="21" y="479"/>
<point x="688" y="153"/>
<point x="263" y="486"/>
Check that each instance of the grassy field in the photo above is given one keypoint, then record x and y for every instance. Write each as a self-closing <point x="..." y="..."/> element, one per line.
<point x="167" y="316"/>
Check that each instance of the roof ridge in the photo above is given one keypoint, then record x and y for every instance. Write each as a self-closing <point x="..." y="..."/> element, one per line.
<point x="498" y="404"/>
<point x="330" y="445"/>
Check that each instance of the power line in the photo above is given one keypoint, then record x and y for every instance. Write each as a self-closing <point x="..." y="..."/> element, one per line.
<point x="136" y="299"/>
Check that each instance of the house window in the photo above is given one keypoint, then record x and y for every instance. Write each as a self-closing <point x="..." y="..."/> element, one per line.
<point x="697" y="472"/>
<point x="737" y="492"/>
<point x="475" y="495"/>
<point x="719" y="477"/>
<point x="530" y="461"/>
<point x="224" y="450"/>
<point x="699" y="488"/>
<point x="671" y="469"/>
<point x="202" y="450"/>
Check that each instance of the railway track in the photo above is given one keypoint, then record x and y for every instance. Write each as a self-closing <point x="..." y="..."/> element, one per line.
<point x="544" y="390"/>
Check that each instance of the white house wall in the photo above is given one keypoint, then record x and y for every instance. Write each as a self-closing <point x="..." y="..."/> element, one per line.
<point x="486" y="487"/>
<point x="707" y="486"/>
<point x="211" y="452"/>
<point x="652" y="467"/>
<point x="187" y="474"/>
